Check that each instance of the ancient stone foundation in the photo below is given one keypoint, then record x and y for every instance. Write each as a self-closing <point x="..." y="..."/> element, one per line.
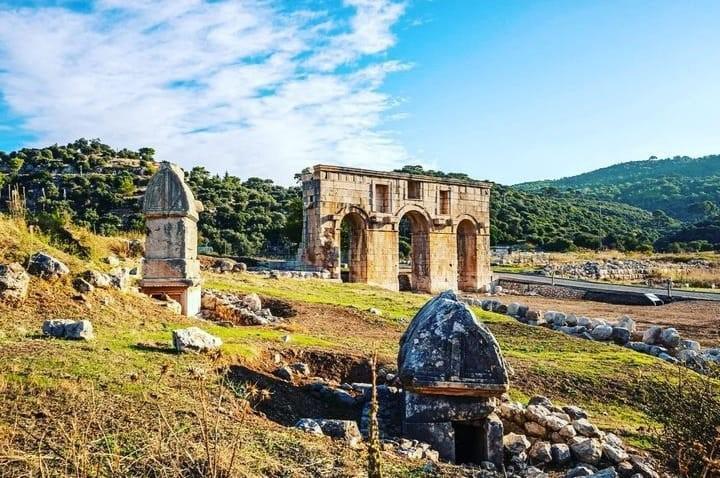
<point x="452" y="372"/>
<point x="449" y="226"/>
<point x="171" y="266"/>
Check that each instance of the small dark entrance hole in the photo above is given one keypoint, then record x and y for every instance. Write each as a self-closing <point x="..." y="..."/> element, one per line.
<point x="469" y="443"/>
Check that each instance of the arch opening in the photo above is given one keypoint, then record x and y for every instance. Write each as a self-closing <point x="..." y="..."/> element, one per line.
<point x="414" y="252"/>
<point x="467" y="255"/>
<point x="353" y="248"/>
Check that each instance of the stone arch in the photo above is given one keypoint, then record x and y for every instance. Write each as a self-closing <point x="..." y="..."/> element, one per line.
<point x="418" y="209"/>
<point x="352" y="239"/>
<point x="467" y="259"/>
<point x="419" y="278"/>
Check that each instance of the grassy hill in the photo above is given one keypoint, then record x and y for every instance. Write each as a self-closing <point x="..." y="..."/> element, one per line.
<point x="126" y="405"/>
<point x="684" y="188"/>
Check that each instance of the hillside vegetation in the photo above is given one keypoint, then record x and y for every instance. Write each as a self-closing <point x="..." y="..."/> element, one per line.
<point x="126" y="405"/>
<point x="681" y="188"/>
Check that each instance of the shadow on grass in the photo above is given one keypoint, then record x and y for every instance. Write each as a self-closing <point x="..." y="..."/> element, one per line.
<point x="157" y="347"/>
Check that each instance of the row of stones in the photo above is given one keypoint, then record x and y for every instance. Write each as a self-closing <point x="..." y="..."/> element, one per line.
<point x="664" y="343"/>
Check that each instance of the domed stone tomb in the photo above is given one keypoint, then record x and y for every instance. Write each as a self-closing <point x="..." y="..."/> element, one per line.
<point x="171" y="266"/>
<point x="452" y="371"/>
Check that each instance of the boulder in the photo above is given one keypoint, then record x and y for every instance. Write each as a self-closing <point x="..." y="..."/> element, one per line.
<point x="567" y="432"/>
<point x="252" y="302"/>
<point x="652" y="335"/>
<point x="515" y="443"/>
<point x="571" y="320"/>
<point x="582" y="469"/>
<point x="642" y="468"/>
<point x="532" y="472"/>
<point x="14" y="283"/>
<point x="585" y="428"/>
<point x="308" y="425"/>
<point x="68" y="329"/>
<point x="120" y="278"/>
<point x="668" y="358"/>
<point x="541" y="400"/>
<point x="97" y="279"/>
<point x="555" y="423"/>
<point x="588" y="450"/>
<point x="560" y="454"/>
<point x="284" y="373"/>
<point x="46" y="266"/>
<point x="539" y="452"/>
<point x="576" y="413"/>
<point x="513" y="309"/>
<point x="621" y="335"/>
<point x="537" y="413"/>
<point x="602" y="332"/>
<point x="82" y="286"/>
<point x="532" y="315"/>
<point x="194" y="339"/>
<point x="627" y="323"/>
<point x="670" y="337"/>
<point x="686" y="344"/>
<point x="625" y="469"/>
<point x="240" y="267"/>
<point x="608" y="472"/>
<point x="613" y="454"/>
<point x="342" y="429"/>
<point x="224" y="265"/>
<point x="535" y="429"/>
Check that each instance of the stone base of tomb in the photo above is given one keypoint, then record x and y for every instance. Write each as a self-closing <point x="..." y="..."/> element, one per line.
<point x="462" y="429"/>
<point x="184" y="291"/>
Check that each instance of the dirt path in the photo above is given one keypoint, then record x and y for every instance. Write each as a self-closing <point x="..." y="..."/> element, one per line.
<point x="697" y="320"/>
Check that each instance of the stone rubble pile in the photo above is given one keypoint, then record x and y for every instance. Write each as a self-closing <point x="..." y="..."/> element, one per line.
<point x="662" y="342"/>
<point x="277" y="274"/>
<point x="232" y="309"/>
<point x="544" y="435"/>
<point x="617" y="269"/>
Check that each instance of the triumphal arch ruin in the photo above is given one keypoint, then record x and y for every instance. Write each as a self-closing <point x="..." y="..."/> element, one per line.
<point x="449" y="225"/>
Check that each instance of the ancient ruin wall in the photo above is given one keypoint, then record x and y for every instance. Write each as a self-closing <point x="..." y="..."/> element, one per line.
<point x="376" y="202"/>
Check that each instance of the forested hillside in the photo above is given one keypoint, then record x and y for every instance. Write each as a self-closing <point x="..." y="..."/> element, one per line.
<point x="684" y="188"/>
<point x="100" y="188"/>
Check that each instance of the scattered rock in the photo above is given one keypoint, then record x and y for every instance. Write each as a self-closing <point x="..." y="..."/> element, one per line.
<point x="14" y="283"/>
<point x="375" y="311"/>
<point x="46" y="266"/>
<point x="308" y="425"/>
<point x="97" y="279"/>
<point x="68" y="329"/>
<point x="343" y="429"/>
<point x="284" y="373"/>
<point x="194" y="339"/>
<point x="83" y="286"/>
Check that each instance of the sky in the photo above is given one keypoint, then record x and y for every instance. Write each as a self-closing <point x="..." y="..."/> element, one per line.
<point x="508" y="91"/>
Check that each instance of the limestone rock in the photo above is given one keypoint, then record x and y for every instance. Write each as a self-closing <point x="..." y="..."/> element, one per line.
<point x="82" y="286"/>
<point x="537" y="413"/>
<point x="539" y="452"/>
<point x="582" y="469"/>
<point x="97" y="279"/>
<point x="585" y="428"/>
<point x="252" y="302"/>
<point x="308" y="425"/>
<point x="46" y="266"/>
<point x="575" y="413"/>
<point x="14" y="283"/>
<point x="284" y="373"/>
<point x="515" y="443"/>
<point x="194" y="339"/>
<point x="602" y="332"/>
<point x="652" y="335"/>
<point x="670" y="337"/>
<point x="627" y="323"/>
<point x="605" y="473"/>
<point x="342" y="429"/>
<point x="68" y="329"/>
<point x="588" y="450"/>
<point x="613" y="454"/>
<point x="560" y="454"/>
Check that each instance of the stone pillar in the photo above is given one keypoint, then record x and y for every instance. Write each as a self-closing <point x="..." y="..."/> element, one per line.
<point x="171" y="265"/>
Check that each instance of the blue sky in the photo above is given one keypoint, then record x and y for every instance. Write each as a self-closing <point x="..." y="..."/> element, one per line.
<point x="502" y="90"/>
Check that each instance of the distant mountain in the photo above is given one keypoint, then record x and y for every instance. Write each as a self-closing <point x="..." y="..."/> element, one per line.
<point x="687" y="189"/>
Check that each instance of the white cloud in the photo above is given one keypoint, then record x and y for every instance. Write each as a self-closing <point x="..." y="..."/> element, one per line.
<point x="247" y="87"/>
